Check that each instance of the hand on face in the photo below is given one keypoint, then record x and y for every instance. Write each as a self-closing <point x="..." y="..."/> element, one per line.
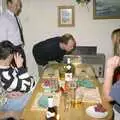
<point x="18" y="60"/>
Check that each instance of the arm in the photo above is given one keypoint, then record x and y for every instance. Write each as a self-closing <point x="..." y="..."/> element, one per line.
<point x="27" y="82"/>
<point x="111" y="64"/>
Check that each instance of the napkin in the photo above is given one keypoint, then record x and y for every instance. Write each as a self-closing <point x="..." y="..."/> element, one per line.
<point x="43" y="101"/>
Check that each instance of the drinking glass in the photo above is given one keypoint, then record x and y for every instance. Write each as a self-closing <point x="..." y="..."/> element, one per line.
<point x="77" y="98"/>
<point x="62" y="72"/>
<point x="67" y="101"/>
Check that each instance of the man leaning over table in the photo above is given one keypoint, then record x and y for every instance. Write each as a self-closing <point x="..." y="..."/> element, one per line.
<point x="53" y="49"/>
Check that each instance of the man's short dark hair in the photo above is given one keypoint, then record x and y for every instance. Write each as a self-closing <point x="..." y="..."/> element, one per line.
<point x="6" y="48"/>
<point x="66" y="37"/>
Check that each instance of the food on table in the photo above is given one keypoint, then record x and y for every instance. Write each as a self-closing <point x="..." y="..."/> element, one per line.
<point x="99" y="108"/>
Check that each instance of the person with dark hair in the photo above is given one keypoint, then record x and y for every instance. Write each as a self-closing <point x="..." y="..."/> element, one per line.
<point x="53" y="49"/>
<point x="11" y="28"/>
<point x="14" y="79"/>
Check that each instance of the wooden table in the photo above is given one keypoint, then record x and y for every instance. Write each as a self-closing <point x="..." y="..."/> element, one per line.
<point x="73" y="114"/>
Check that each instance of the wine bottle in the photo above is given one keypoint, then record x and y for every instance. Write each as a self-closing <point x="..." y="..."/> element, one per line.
<point x="51" y="111"/>
<point x="69" y="70"/>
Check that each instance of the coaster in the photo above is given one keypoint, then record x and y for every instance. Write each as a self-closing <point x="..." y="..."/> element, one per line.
<point x="41" y="101"/>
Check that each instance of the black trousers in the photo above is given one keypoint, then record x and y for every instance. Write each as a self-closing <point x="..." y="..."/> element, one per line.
<point x="20" y="50"/>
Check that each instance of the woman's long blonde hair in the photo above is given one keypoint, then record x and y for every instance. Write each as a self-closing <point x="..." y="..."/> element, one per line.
<point x="116" y="41"/>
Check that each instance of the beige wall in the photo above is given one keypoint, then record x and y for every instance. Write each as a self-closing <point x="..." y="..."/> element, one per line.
<point x="39" y="19"/>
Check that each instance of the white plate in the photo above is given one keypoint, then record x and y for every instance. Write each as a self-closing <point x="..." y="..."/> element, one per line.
<point x="91" y="112"/>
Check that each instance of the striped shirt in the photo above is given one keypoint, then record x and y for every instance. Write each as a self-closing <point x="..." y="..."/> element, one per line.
<point x="16" y="79"/>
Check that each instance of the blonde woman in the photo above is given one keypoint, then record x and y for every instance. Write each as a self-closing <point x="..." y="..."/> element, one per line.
<point x="111" y="88"/>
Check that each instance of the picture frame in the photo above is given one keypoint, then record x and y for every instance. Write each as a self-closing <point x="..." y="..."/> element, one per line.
<point x="106" y="9"/>
<point x="66" y="16"/>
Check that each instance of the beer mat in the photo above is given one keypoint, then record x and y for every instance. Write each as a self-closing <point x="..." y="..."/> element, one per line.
<point x="91" y="95"/>
<point x="41" y="101"/>
<point x="35" y="105"/>
<point x="85" y="83"/>
<point x="50" y="85"/>
<point x="50" y="73"/>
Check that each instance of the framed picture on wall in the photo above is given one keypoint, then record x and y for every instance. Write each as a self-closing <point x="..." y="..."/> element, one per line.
<point x="66" y="16"/>
<point x="106" y="9"/>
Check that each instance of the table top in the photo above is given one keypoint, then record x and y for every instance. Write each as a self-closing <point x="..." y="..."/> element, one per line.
<point x="72" y="114"/>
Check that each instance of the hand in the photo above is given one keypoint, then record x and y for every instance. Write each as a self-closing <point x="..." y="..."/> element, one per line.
<point x="18" y="60"/>
<point x="113" y="62"/>
<point x="13" y="95"/>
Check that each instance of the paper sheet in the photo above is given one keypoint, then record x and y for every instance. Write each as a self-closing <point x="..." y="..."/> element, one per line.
<point x="36" y="106"/>
<point x="91" y="95"/>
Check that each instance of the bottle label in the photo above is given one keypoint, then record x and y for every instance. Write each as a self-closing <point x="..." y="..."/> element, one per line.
<point x="50" y="101"/>
<point x="68" y="67"/>
<point x="68" y="76"/>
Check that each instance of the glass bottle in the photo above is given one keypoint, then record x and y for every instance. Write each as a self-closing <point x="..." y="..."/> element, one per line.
<point x="69" y="70"/>
<point x="52" y="111"/>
